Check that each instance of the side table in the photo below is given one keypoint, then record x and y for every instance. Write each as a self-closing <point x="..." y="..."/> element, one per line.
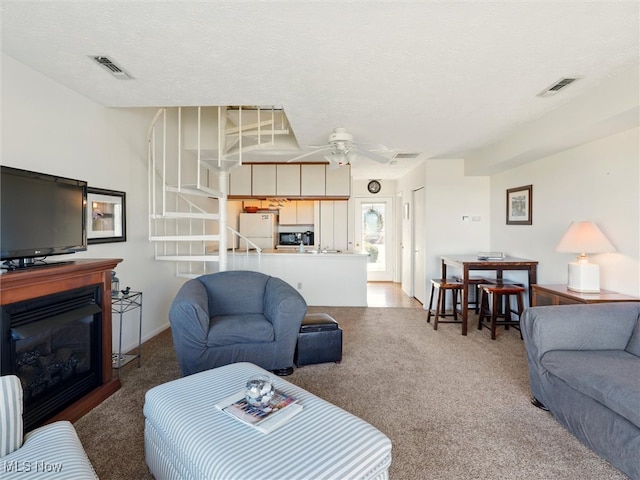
<point x="561" y="295"/>
<point x="121" y="305"/>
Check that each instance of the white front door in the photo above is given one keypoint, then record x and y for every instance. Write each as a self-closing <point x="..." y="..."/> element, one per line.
<point x="374" y="234"/>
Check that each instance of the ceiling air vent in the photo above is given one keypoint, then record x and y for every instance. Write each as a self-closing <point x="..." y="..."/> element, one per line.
<point x="557" y="86"/>
<point x="406" y="155"/>
<point x="112" y="67"/>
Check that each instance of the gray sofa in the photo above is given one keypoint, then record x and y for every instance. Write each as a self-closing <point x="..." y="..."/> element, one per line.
<point x="236" y="316"/>
<point x="584" y="367"/>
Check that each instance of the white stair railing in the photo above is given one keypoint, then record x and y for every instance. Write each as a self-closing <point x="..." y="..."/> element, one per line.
<point x="183" y="221"/>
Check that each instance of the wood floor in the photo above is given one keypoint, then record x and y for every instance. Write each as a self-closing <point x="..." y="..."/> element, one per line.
<point x="389" y="294"/>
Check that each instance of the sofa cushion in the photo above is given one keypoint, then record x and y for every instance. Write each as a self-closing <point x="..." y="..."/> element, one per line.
<point x="239" y="328"/>
<point x="611" y="377"/>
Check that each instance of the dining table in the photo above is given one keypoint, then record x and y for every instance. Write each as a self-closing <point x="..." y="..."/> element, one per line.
<point x="468" y="263"/>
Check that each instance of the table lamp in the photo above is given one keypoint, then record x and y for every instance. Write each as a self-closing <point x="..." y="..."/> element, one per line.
<point x="583" y="238"/>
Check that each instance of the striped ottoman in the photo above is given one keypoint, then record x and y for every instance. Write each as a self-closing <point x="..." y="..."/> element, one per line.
<point x="186" y="437"/>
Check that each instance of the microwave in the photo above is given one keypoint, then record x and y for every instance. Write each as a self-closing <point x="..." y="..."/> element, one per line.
<point x="294" y="238"/>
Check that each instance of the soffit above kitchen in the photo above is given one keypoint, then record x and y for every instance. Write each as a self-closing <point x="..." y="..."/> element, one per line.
<point x="427" y="77"/>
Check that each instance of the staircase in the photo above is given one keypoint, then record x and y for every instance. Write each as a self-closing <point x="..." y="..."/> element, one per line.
<point x="190" y="153"/>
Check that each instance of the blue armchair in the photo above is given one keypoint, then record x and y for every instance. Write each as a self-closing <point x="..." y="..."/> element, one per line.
<point x="236" y="316"/>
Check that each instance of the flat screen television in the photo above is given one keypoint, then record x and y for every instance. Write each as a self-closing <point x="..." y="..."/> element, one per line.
<point x="40" y="215"/>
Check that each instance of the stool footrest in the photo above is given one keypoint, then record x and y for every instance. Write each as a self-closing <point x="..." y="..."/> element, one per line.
<point x="319" y="340"/>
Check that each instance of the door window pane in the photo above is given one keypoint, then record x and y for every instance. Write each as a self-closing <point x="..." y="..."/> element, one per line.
<point x="373" y="235"/>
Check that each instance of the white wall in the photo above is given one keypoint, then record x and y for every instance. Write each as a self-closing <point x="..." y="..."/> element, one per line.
<point x="597" y="181"/>
<point x="49" y="128"/>
<point x="449" y="196"/>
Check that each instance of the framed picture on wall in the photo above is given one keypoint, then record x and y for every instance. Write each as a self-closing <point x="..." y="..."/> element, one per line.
<point x="519" y="202"/>
<point x="106" y="216"/>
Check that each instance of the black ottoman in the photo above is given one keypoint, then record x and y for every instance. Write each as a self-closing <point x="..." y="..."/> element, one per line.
<point x="319" y="340"/>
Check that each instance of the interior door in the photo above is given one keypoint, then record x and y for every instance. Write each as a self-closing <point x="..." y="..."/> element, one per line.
<point x="407" y="246"/>
<point x="419" y="269"/>
<point x="374" y="234"/>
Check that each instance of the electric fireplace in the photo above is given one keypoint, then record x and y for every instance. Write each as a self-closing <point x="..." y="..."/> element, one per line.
<point x="53" y="344"/>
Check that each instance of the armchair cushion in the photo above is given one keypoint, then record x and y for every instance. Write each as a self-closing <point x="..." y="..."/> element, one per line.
<point x="10" y="414"/>
<point x="246" y="328"/>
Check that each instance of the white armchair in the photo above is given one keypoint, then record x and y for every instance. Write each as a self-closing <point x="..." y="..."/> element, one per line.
<point x="50" y="452"/>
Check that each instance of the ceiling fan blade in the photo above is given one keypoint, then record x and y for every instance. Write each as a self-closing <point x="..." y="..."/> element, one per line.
<point x="308" y="154"/>
<point x="372" y="147"/>
<point x="373" y="156"/>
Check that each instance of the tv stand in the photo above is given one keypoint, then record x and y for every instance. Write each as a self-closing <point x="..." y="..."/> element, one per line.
<point x="31" y="283"/>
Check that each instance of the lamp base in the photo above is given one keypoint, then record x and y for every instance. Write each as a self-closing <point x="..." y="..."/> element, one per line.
<point x="584" y="277"/>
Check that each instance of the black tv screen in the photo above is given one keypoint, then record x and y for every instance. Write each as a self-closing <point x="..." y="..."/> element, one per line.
<point x="40" y="215"/>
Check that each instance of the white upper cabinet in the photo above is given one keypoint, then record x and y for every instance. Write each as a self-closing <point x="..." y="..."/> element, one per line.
<point x="240" y="181"/>
<point x="312" y="179"/>
<point x="264" y="180"/>
<point x="304" y="214"/>
<point x="338" y="181"/>
<point x="298" y="212"/>
<point x="288" y="180"/>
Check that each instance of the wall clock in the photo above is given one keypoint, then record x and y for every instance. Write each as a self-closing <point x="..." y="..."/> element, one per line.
<point x="373" y="186"/>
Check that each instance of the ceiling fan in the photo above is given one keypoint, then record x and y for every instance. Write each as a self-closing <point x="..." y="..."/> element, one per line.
<point x="341" y="150"/>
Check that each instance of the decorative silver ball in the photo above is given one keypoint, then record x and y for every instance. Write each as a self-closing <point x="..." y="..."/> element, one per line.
<point x="260" y="390"/>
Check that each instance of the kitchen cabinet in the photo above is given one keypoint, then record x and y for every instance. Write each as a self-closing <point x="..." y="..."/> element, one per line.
<point x="338" y="181"/>
<point x="263" y="178"/>
<point x="297" y="213"/>
<point x="312" y="180"/>
<point x="288" y="180"/>
<point x="304" y="212"/>
<point x="334" y="225"/>
<point x="240" y="181"/>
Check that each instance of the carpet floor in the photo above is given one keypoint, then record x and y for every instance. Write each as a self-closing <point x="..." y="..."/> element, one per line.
<point x="454" y="407"/>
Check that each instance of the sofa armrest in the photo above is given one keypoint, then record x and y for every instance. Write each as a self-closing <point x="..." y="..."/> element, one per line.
<point x="607" y="326"/>
<point x="51" y="452"/>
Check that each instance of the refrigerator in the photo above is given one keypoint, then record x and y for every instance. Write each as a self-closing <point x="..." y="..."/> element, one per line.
<point x="260" y="228"/>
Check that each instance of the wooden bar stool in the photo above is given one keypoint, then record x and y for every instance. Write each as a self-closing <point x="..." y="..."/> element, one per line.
<point x="444" y="285"/>
<point x="489" y="316"/>
<point x="474" y="284"/>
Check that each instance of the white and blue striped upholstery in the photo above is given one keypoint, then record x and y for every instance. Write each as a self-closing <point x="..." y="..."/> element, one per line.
<point x="10" y="414"/>
<point x="51" y="452"/>
<point x="186" y="437"/>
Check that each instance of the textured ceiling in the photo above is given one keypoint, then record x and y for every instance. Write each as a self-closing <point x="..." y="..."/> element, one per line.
<point x="433" y="77"/>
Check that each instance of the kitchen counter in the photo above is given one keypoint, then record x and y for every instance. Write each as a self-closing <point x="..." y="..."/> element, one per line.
<point x="333" y="278"/>
<point x="309" y="251"/>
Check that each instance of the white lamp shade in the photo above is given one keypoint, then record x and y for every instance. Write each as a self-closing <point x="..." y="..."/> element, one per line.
<point x="584" y="237"/>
